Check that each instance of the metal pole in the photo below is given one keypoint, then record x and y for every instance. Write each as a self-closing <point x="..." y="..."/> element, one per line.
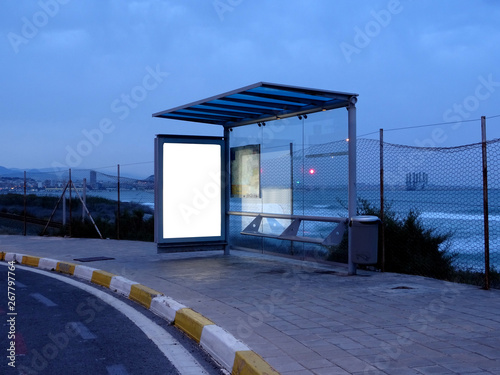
<point x="291" y="178"/>
<point x="84" y="197"/>
<point x="485" y="208"/>
<point x="63" y="198"/>
<point x="352" y="198"/>
<point x="118" y="207"/>
<point x="24" y="212"/>
<point x="382" y="231"/>
<point x="70" y="183"/>
<point x="291" y="188"/>
<point x="158" y="189"/>
<point x="88" y="212"/>
<point x="64" y="206"/>
<point x="226" y="184"/>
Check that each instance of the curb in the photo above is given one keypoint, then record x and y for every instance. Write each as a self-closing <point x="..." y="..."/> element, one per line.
<point x="232" y="354"/>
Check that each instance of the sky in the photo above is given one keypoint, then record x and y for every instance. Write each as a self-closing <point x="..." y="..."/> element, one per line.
<point x="81" y="79"/>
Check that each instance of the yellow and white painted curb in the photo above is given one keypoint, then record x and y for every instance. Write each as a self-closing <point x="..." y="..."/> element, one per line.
<point x="231" y="353"/>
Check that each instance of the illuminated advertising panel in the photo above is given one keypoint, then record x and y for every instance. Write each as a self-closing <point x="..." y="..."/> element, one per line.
<point x="189" y="204"/>
<point x="245" y="171"/>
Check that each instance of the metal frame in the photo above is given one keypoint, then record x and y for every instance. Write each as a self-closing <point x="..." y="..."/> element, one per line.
<point x="186" y="243"/>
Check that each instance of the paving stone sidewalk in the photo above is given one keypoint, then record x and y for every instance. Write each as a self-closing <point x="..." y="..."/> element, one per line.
<point x="310" y="318"/>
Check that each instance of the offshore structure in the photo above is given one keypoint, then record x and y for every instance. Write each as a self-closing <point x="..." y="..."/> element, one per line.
<point x="416" y="180"/>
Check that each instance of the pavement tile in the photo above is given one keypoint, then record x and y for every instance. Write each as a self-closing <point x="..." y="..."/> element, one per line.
<point x="345" y="343"/>
<point x="441" y="359"/>
<point x="329" y="351"/>
<point x="365" y="351"/>
<point x="315" y="363"/>
<point x="352" y="364"/>
<point x="297" y="372"/>
<point x="401" y="371"/>
<point x="462" y="367"/>
<point x="493" y="341"/>
<point x="431" y="370"/>
<point x="415" y="361"/>
<point x="284" y="363"/>
<point x="306" y="338"/>
<point x="330" y="370"/>
<point x="486" y="351"/>
<point x="304" y="323"/>
<point x="437" y="345"/>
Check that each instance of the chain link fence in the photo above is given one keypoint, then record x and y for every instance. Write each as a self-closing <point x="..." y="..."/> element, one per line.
<point x="433" y="203"/>
<point x="433" y="199"/>
<point x="441" y="189"/>
<point x="94" y="204"/>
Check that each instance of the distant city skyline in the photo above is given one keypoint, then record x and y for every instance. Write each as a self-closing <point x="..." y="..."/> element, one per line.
<point x="82" y="79"/>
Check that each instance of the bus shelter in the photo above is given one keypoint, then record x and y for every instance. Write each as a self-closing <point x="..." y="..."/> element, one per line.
<point x="204" y="185"/>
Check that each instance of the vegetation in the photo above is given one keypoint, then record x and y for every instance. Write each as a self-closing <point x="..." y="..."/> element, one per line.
<point x="133" y="226"/>
<point x="411" y="248"/>
<point x="136" y="220"/>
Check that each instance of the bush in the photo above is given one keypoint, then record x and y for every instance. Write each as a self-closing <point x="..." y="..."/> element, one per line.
<point x="132" y="227"/>
<point x="410" y="248"/>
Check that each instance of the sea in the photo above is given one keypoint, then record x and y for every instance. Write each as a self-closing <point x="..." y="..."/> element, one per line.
<point x="459" y="212"/>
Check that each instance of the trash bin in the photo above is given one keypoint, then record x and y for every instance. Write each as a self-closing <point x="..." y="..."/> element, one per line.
<point x="364" y="239"/>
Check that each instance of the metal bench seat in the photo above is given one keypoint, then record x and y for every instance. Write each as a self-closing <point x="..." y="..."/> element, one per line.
<point x="291" y="232"/>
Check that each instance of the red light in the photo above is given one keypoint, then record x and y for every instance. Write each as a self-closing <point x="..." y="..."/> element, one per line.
<point x="312" y="171"/>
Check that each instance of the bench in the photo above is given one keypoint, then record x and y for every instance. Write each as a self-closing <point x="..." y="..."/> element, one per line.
<point x="290" y="232"/>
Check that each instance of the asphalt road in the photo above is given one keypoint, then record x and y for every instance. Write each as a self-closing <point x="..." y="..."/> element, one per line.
<point x="58" y="328"/>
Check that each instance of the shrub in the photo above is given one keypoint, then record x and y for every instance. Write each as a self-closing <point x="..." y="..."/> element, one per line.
<point x="410" y="247"/>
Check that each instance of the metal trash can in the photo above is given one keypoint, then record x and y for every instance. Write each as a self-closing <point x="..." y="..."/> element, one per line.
<point x="364" y="239"/>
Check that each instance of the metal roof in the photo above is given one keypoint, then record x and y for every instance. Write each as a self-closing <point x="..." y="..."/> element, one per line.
<point x="256" y="103"/>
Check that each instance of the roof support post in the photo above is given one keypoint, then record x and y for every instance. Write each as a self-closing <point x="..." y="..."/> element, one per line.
<point x="352" y="197"/>
<point x="226" y="183"/>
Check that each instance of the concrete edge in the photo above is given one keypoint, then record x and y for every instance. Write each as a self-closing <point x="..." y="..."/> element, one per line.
<point x="84" y="272"/>
<point x="232" y="354"/>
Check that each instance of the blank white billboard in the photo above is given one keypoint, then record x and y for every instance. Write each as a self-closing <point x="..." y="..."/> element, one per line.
<point x="192" y="194"/>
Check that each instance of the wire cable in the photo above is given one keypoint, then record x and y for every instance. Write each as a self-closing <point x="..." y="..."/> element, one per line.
<point x="428" y="125"/>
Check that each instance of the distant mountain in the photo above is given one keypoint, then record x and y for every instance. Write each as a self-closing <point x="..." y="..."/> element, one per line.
<point x="10" y="172"/>
<point x="4" y="170"/>
<point x="50" y="174"/>
<point x="45" y="173"/>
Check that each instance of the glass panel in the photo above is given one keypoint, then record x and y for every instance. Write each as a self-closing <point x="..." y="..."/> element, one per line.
<point x="304" y="171"/>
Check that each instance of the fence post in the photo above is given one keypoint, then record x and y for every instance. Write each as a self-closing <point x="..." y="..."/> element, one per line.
<point x="485" y="208"/>
<point x="382" y="230"/>
<point x="291" y="188"/>
<point x="69" y="202"/>
<point x="118" y="207"/>
<point x="24" y="211"/>
<point x="84" y="198"/>
<point x="64" y="210"/>
<point x="352" y="195"/>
